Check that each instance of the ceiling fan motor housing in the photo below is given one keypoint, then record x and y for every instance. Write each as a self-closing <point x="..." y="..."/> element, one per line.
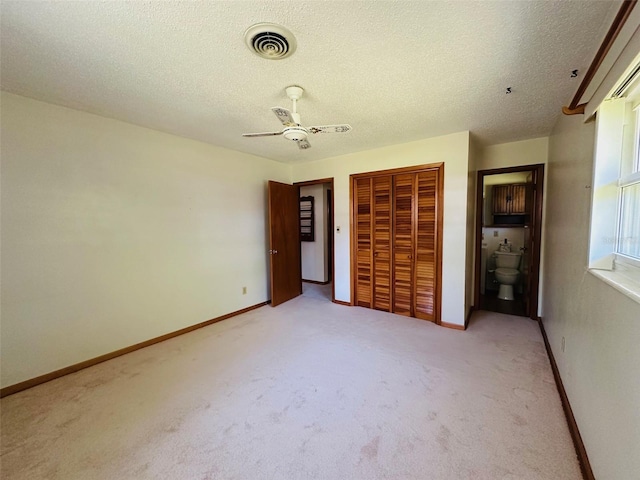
<point x="295" y="133"/>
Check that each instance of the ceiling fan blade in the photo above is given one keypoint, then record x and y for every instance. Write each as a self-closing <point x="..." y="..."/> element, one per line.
<point x="284" y="116"/>
<point x="303" y="144"/>
<point x="265" y="134"/>
<point x="331" y="128"/>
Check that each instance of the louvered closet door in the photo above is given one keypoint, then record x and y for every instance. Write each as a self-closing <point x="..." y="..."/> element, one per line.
<point x="403" y="186"/>
<point x="426" y="245"/>
<point x="362" y="194"/>
<point x="382" y="243"/>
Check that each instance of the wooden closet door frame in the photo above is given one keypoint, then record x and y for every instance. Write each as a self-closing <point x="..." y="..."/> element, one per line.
<point x="440" y="214"/>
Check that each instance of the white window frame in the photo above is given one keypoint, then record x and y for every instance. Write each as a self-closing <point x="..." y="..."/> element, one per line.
<point x="627" y="180"/>
<point x="619" y="256"/>
<point x="616" y="167"/>
<point x="636" y="142"/>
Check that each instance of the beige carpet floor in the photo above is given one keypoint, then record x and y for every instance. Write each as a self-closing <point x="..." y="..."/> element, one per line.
<point x="307" y="390"/>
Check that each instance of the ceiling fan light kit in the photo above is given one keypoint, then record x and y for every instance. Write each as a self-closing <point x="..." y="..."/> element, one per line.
<point x="295" y="133"/>
<point x="293" y="130"/>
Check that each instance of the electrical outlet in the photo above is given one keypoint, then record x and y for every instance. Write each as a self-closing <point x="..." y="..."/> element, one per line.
<point x="563" y="344"/>
<point x="495" y="233"/>
<point x="244" y="290"/>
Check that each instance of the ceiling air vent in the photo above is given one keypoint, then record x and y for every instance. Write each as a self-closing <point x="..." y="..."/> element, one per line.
<point x="270" y="41"/>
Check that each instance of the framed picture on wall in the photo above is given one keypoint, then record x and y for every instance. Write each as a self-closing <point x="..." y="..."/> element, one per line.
<point x="307" y="230"/>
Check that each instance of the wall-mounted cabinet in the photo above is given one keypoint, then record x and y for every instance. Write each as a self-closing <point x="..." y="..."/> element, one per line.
<point x="511" y="204"/>
<point x="510" y="199"/>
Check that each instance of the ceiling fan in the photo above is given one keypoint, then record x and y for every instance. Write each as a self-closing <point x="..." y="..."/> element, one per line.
<point x="291" y="121"/>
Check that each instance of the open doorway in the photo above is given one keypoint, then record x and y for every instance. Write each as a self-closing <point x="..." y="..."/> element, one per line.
<point x="316" y="238"/>
<point x="508" y="234"/>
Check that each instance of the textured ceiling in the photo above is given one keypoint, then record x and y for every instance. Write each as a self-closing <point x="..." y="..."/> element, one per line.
<point x="397" y="71"/>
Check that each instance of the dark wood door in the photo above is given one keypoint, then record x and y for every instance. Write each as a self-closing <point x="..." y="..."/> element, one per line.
<point x="526" y="267"/>
<point x="284" y="242"/>
<point x="330" y="236"/>
<point x="533" y="239"/>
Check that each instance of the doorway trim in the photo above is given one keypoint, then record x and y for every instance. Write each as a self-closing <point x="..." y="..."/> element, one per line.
<point x="322" y="181"/>
<point x="534" y="293"/>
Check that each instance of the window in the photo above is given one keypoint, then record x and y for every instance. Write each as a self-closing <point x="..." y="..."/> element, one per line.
<point x="614" y="249"/>
<point x="628" y="244"/>
<point x="628" y="235"/>
<point x="637" y="139"/>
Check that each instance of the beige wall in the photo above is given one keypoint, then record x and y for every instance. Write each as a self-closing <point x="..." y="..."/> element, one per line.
<point x="514" y="154"/>
<point x="113" y="234"/>
<point x="600" y="365"/>
<point x="524" y="152"/>
<point x="453" y="150"/>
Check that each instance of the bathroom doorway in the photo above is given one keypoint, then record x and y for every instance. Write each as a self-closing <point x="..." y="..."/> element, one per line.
<point x="508" y="234"/>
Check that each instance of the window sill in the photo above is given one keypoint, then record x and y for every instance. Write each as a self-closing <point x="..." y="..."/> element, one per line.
<point x="625" y="279"/>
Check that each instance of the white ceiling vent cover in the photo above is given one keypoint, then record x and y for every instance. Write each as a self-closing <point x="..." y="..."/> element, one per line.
<point x="270" y="41"/>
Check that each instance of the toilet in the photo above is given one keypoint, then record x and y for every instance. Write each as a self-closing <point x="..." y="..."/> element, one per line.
<point x="507" y="273"/>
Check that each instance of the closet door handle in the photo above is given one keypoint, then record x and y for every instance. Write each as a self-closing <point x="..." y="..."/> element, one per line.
<point x="409" y="257"/>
